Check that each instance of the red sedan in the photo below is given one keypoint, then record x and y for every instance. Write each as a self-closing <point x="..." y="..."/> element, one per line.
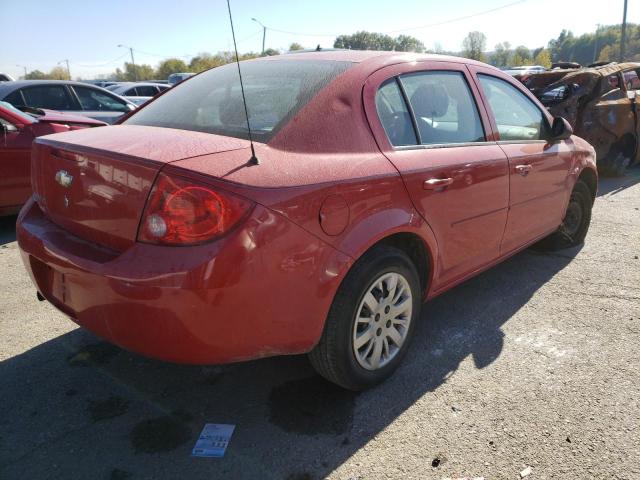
<point x="18" y="130"/>
<point x="381" y="180"/>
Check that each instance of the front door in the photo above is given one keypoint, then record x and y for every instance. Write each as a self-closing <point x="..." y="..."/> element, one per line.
<point x="434" y="134"/>
<point x="538" y="170"/>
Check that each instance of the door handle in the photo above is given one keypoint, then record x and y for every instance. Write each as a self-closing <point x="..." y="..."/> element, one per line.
<point x="523" y="169"/>
<point x="436" y="183"/>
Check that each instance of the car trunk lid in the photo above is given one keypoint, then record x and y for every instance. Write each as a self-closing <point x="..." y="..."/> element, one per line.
<point x="94" y="183"/>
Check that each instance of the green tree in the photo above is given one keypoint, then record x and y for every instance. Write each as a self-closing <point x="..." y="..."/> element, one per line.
<point x="169" y="66"/>
<point x="35" y="75"/>
<point x="407" y="43"/>
<point x="501" y="54"/>
<point x="58" y="73"/>
<point x="543" y="58"/>
<point x="132" y="73"/>
<point x="473" y="46"/>
<point x="270" y="52"/>
<point x="295" y="46"/>
<point x="205" y="61"/>
<point x="365" y="41"/>
<point x="524" y="53"/>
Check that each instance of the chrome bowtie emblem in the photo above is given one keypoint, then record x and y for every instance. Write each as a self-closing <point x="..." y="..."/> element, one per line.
<point x="63" y="178"/>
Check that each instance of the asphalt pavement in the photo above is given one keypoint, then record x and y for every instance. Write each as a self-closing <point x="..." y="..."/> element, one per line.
<point x="531" y="368"/>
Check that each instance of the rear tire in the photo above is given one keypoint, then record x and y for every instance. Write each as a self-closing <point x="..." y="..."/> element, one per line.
<point x="575" y="224"/>
<point x="371" y="321"/>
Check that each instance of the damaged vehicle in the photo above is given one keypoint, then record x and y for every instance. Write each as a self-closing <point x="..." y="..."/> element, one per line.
<point x="600" y="103"/>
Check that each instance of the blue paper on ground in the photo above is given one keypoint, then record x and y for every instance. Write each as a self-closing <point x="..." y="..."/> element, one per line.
<point x="213" y="440"/>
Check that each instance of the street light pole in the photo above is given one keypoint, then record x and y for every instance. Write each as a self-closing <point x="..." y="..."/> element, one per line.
<point x="68" y="69"/>
<point x="623" y="34"/>
<point x="135" y="72"/>
<point x="264" y="32"/>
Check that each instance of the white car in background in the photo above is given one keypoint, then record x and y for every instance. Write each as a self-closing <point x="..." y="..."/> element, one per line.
<point x="138" y="92"/>
<point x="525" y="69"/>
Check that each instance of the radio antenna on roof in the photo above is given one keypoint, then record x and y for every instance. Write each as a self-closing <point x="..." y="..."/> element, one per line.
<point x="253" y="160"/>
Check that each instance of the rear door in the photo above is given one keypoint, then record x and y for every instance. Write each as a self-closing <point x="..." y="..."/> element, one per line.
<point x="428" y="124"/>
<point x="538" y="170"/>
<point x="15" y="156"/>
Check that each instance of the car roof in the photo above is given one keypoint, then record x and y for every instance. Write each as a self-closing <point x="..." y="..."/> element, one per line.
<point x="361" y="56"/>
<point x="370" y="60"/>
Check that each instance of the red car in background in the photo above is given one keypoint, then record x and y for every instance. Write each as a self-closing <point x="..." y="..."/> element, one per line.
<point x="17" y="132"/>
<point x="382" y="179"/>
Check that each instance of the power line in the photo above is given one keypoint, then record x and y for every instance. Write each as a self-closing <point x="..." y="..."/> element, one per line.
<point x="102" y="64"/>
<point x="435" y="24"/>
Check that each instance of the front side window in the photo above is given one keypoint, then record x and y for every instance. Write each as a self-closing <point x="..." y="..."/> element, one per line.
<point x="52" y="97"/>
<point x="95" y="100"/>
<point x="443" y="107"/>
<point x="211" y="102"/>
<point x="517" y="117"/>
<point x="394" y="115"/>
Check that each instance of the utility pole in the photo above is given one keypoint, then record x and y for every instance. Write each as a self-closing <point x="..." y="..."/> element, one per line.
<point x="623" y="34"/>
<point x="25" y="70"/>
<point x="68" y="69"/>
<point x="135" y="72"/>
<point x="264" y="33"/>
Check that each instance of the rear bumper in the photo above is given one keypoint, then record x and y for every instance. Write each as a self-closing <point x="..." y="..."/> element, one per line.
<point x="263" y="290"/>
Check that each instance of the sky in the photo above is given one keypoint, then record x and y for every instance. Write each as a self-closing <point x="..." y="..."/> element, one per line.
<point x="38" y="34"/>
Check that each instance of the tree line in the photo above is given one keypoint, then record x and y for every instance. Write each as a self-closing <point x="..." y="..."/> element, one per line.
<point x="600" y="46"/>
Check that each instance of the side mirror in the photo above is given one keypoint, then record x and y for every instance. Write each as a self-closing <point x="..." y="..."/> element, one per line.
<point x="560" y="129"/>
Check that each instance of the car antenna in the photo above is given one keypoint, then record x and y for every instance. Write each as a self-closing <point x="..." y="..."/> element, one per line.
<point x="253" y="160"/>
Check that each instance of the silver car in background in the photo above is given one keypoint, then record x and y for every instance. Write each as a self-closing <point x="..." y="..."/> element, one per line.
<point x="138" y="92"/>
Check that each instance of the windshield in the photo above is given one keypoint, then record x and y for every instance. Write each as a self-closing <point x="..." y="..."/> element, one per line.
<point x="212" y="102"/>
<point x="26" y="116"/>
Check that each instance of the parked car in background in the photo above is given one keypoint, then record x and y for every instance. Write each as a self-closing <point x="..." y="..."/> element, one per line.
<point x="380" y="180"/>
<point x="601" y="104"/>
<point x="138" y="92"/>
<point x="5" y="77"/>
<point x="525" y="69"/>
<point x="176" y="78"/>
<point x="17" y="131"/>
<point x="66" y="96"/>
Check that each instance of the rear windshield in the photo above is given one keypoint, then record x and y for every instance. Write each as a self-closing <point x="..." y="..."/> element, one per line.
<point x="211" y="102"/>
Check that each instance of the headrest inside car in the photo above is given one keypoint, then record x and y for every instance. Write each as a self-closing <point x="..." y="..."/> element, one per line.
<point x="430" y="100"/>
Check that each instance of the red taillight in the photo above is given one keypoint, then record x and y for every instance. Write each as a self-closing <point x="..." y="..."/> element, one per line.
<point x="181" y="211"/>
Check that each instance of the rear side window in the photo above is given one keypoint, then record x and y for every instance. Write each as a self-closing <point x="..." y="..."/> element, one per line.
<point x="631" y="80"/>
<point x="146" y="91"/>
<point x="95" y="100"/>
<point x="443" y="106"/>
<point x="394" y="115"/>
<point x="517" y="117"/>
<point x="212" y="102"/>
<point x="53" y="97"/>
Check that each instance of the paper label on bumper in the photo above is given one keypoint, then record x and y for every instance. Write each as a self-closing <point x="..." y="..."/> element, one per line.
<point x="213" y="440"/>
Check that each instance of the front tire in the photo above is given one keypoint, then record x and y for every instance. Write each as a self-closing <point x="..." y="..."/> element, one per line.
<point x="575" y="224"/>
<point x="371" y="321"/>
